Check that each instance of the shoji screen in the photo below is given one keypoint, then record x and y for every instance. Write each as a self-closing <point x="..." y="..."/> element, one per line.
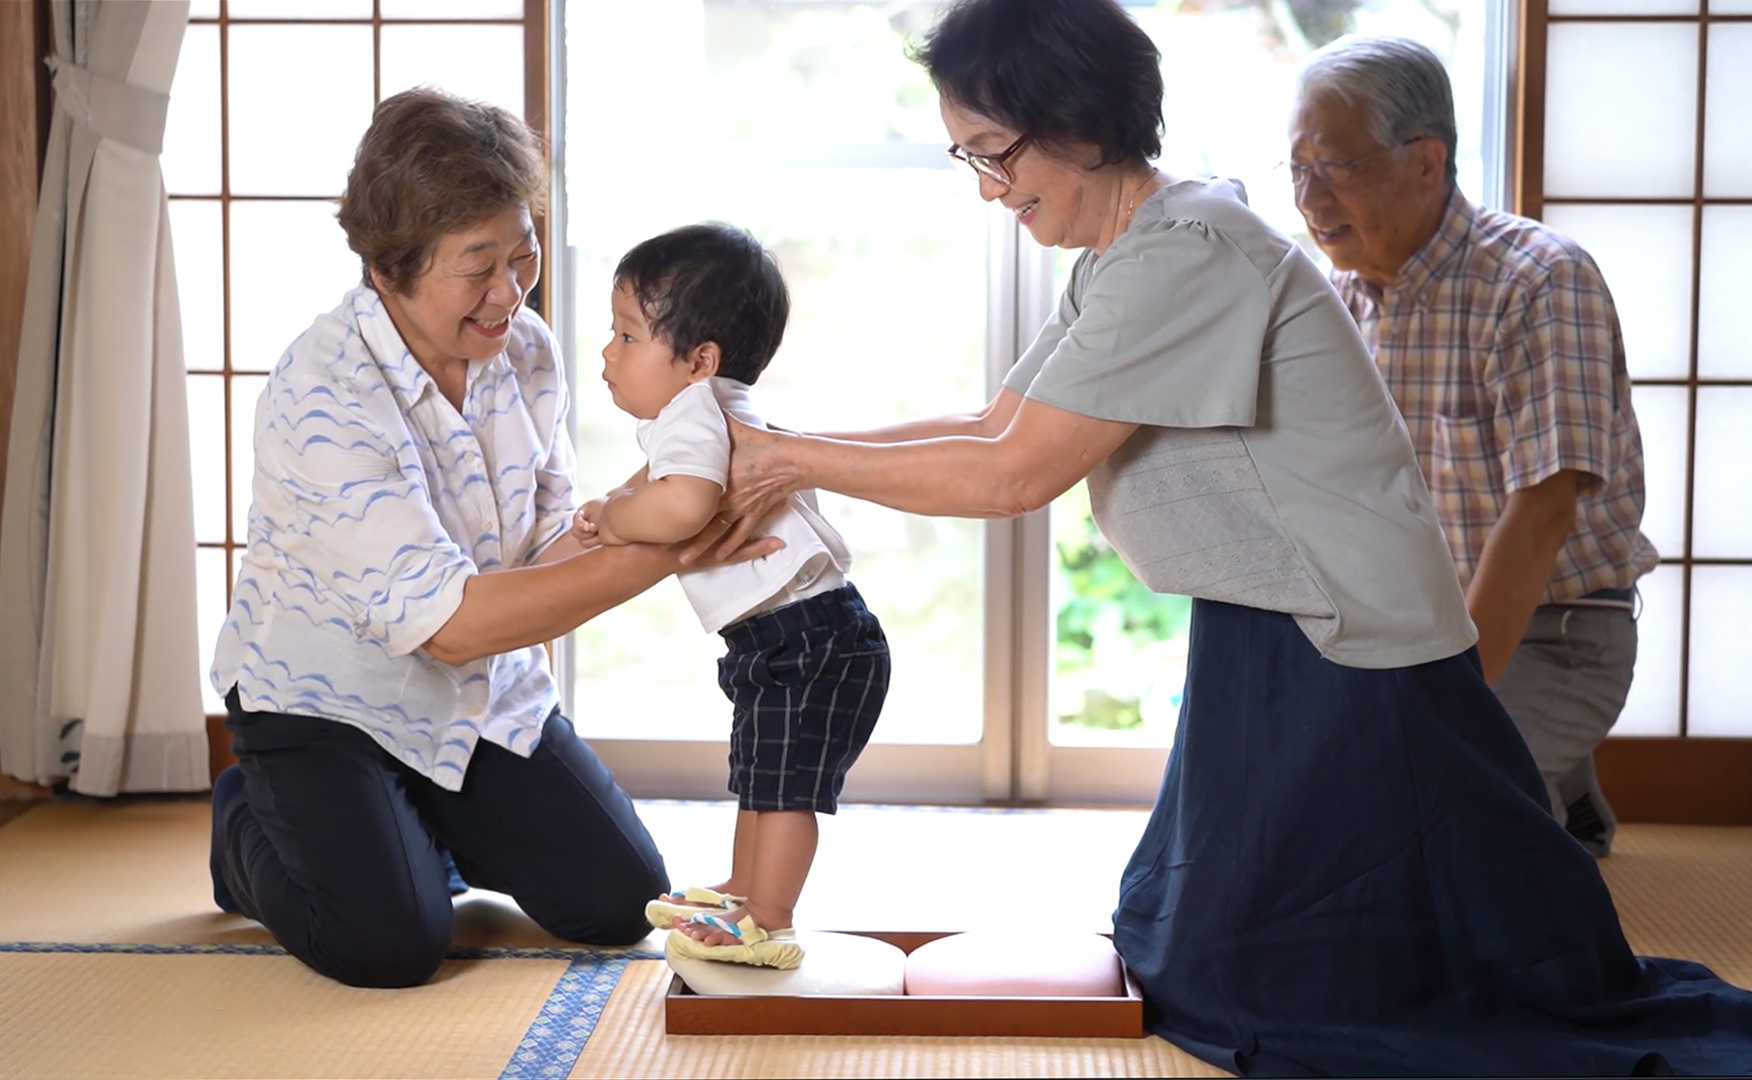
<point x="1637" y="141"/>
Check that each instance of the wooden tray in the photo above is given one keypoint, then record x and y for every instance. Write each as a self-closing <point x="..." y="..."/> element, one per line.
<point x="688" y="1013"/>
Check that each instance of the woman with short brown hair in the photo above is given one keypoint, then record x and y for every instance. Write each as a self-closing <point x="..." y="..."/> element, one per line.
<point x="410" y="550"/>
<point x="431" y="163"/>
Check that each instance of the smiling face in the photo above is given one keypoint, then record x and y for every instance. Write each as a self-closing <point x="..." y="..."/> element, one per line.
<point x="1386" y="209"/>
<point x="1061" y="203"/>
<point x="642" y="371"/>
<point x="460" y="308"/>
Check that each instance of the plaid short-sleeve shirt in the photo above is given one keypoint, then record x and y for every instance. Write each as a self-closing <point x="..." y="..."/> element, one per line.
<point x="1501" y="346"/>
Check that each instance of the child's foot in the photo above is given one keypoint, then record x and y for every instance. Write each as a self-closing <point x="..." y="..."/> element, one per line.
<point x="685" y="903"/>
<point x="749" y="944"/>
<point x="707" y="934"/>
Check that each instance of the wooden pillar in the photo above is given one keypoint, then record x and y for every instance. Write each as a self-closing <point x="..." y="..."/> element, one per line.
<point x="23" y="131"/>
<point x="24" y="101"/>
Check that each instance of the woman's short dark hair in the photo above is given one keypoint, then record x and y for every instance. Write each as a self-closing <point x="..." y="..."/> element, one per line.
<point x="1058" y="71"/>
<point x="432" y="163"/>
<point x="711" y="282"/>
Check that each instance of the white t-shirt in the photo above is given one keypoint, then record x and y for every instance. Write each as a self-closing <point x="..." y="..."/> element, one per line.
<point x="374" y="501"/>
<point x="689" y="438"/>
<point x="1272" y="468"/>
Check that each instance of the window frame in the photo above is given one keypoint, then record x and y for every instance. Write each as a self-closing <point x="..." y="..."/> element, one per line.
<point x="538" y="107"/>
<point x="1679" y="778"/>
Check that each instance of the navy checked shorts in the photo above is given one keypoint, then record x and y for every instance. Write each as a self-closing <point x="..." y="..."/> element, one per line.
<point x="806" y="682"/>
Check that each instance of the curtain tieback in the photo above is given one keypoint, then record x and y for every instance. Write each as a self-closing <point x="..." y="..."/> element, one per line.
<point x="111" y="108"/>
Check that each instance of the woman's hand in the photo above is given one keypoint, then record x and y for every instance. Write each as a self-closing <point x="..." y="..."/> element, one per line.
<point x="714" y="546"/>
<point x="759" y="481"/>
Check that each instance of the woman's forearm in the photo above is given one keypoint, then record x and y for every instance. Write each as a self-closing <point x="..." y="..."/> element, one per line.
<point x="1040" y="452"/>
<point x="955" y="476"/>
<point x="936" y="427"/>
<point x="510" y="609"/>
<point x="988" y="423"/>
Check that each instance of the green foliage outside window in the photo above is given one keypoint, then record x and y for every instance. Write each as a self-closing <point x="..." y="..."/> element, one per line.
<point x="1109" y="626"/>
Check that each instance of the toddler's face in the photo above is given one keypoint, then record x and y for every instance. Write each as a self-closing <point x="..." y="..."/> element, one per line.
<point x="642" y="372"/>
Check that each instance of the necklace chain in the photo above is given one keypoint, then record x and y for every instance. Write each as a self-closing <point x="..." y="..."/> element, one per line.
<point x="1132" y="205"/>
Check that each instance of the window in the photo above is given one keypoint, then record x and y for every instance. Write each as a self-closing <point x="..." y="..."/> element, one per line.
<point x="270" y="100"/>
<point x="807" y="124"/>
<point x="1651" y="173"/>
<point x="1028" y="663"/>
<point x="804" y="121"/>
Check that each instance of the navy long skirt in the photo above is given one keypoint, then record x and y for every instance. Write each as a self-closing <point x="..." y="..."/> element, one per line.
<point x="1353" y="872"/>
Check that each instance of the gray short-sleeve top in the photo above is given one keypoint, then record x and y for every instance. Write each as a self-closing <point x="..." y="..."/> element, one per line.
<point x="1271" y="468"/>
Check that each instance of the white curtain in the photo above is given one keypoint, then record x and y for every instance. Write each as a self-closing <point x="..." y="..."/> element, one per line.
<point x="99" y="664"/>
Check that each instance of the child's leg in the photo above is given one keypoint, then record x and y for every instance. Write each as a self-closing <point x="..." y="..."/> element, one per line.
<point x="784" y="850"/>
<point x="844" y="670"/>
<point x="781" y="865"/>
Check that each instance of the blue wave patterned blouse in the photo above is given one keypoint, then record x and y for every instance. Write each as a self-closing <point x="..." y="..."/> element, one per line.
<point x="373" y="502"/>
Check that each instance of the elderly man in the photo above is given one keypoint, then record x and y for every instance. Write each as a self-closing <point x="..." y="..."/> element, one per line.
<point x="1499" y="341"/>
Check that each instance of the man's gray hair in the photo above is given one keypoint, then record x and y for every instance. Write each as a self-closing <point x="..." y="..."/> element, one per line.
<point x="1402" y="87"/>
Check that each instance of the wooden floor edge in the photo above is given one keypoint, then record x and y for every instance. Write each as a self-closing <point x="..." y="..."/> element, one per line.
<point x="1677" y="781"/>
<point x="10" y="809"/>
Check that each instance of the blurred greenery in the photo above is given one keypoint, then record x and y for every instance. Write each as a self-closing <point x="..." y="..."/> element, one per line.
<point x="1098" y="579"/>
<point x="1107" y="622"/>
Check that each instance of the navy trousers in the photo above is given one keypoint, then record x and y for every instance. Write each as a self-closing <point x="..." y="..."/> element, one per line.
<point x="332" y="844"/>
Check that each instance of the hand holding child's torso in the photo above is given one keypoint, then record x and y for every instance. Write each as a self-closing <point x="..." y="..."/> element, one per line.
<point x="689" y="437"/>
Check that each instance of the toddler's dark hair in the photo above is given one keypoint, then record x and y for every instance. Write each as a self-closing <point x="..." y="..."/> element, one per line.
<point x="711" y="282"/>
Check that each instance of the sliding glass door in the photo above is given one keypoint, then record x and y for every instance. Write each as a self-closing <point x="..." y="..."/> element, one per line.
<point x="806" y="124"/>
<point x="1029" y="664"/>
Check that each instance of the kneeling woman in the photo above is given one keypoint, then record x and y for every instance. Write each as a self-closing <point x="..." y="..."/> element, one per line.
<point x="1350" y="868"/>
<point x="410" y="549"/>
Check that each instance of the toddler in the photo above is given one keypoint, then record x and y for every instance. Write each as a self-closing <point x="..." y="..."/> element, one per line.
<point x="698" y="313"/>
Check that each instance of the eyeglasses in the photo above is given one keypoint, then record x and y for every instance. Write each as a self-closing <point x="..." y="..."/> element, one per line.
<point x="991" y="165"/>
<point x="1335" y="173"/>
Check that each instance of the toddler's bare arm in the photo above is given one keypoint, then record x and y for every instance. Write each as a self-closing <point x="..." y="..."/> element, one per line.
<point x="662" y="511"/>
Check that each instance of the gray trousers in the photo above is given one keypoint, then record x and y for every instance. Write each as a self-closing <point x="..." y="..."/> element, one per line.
<point x="1564" y="687"/>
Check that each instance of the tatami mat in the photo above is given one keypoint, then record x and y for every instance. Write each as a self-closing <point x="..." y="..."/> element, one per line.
<point x="630" y="1042"/>
<point x="135" y="974"/>
<point x="1686" y="891"/>
<point x="95" y="1015"/>
<point x="137" y="872"/>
